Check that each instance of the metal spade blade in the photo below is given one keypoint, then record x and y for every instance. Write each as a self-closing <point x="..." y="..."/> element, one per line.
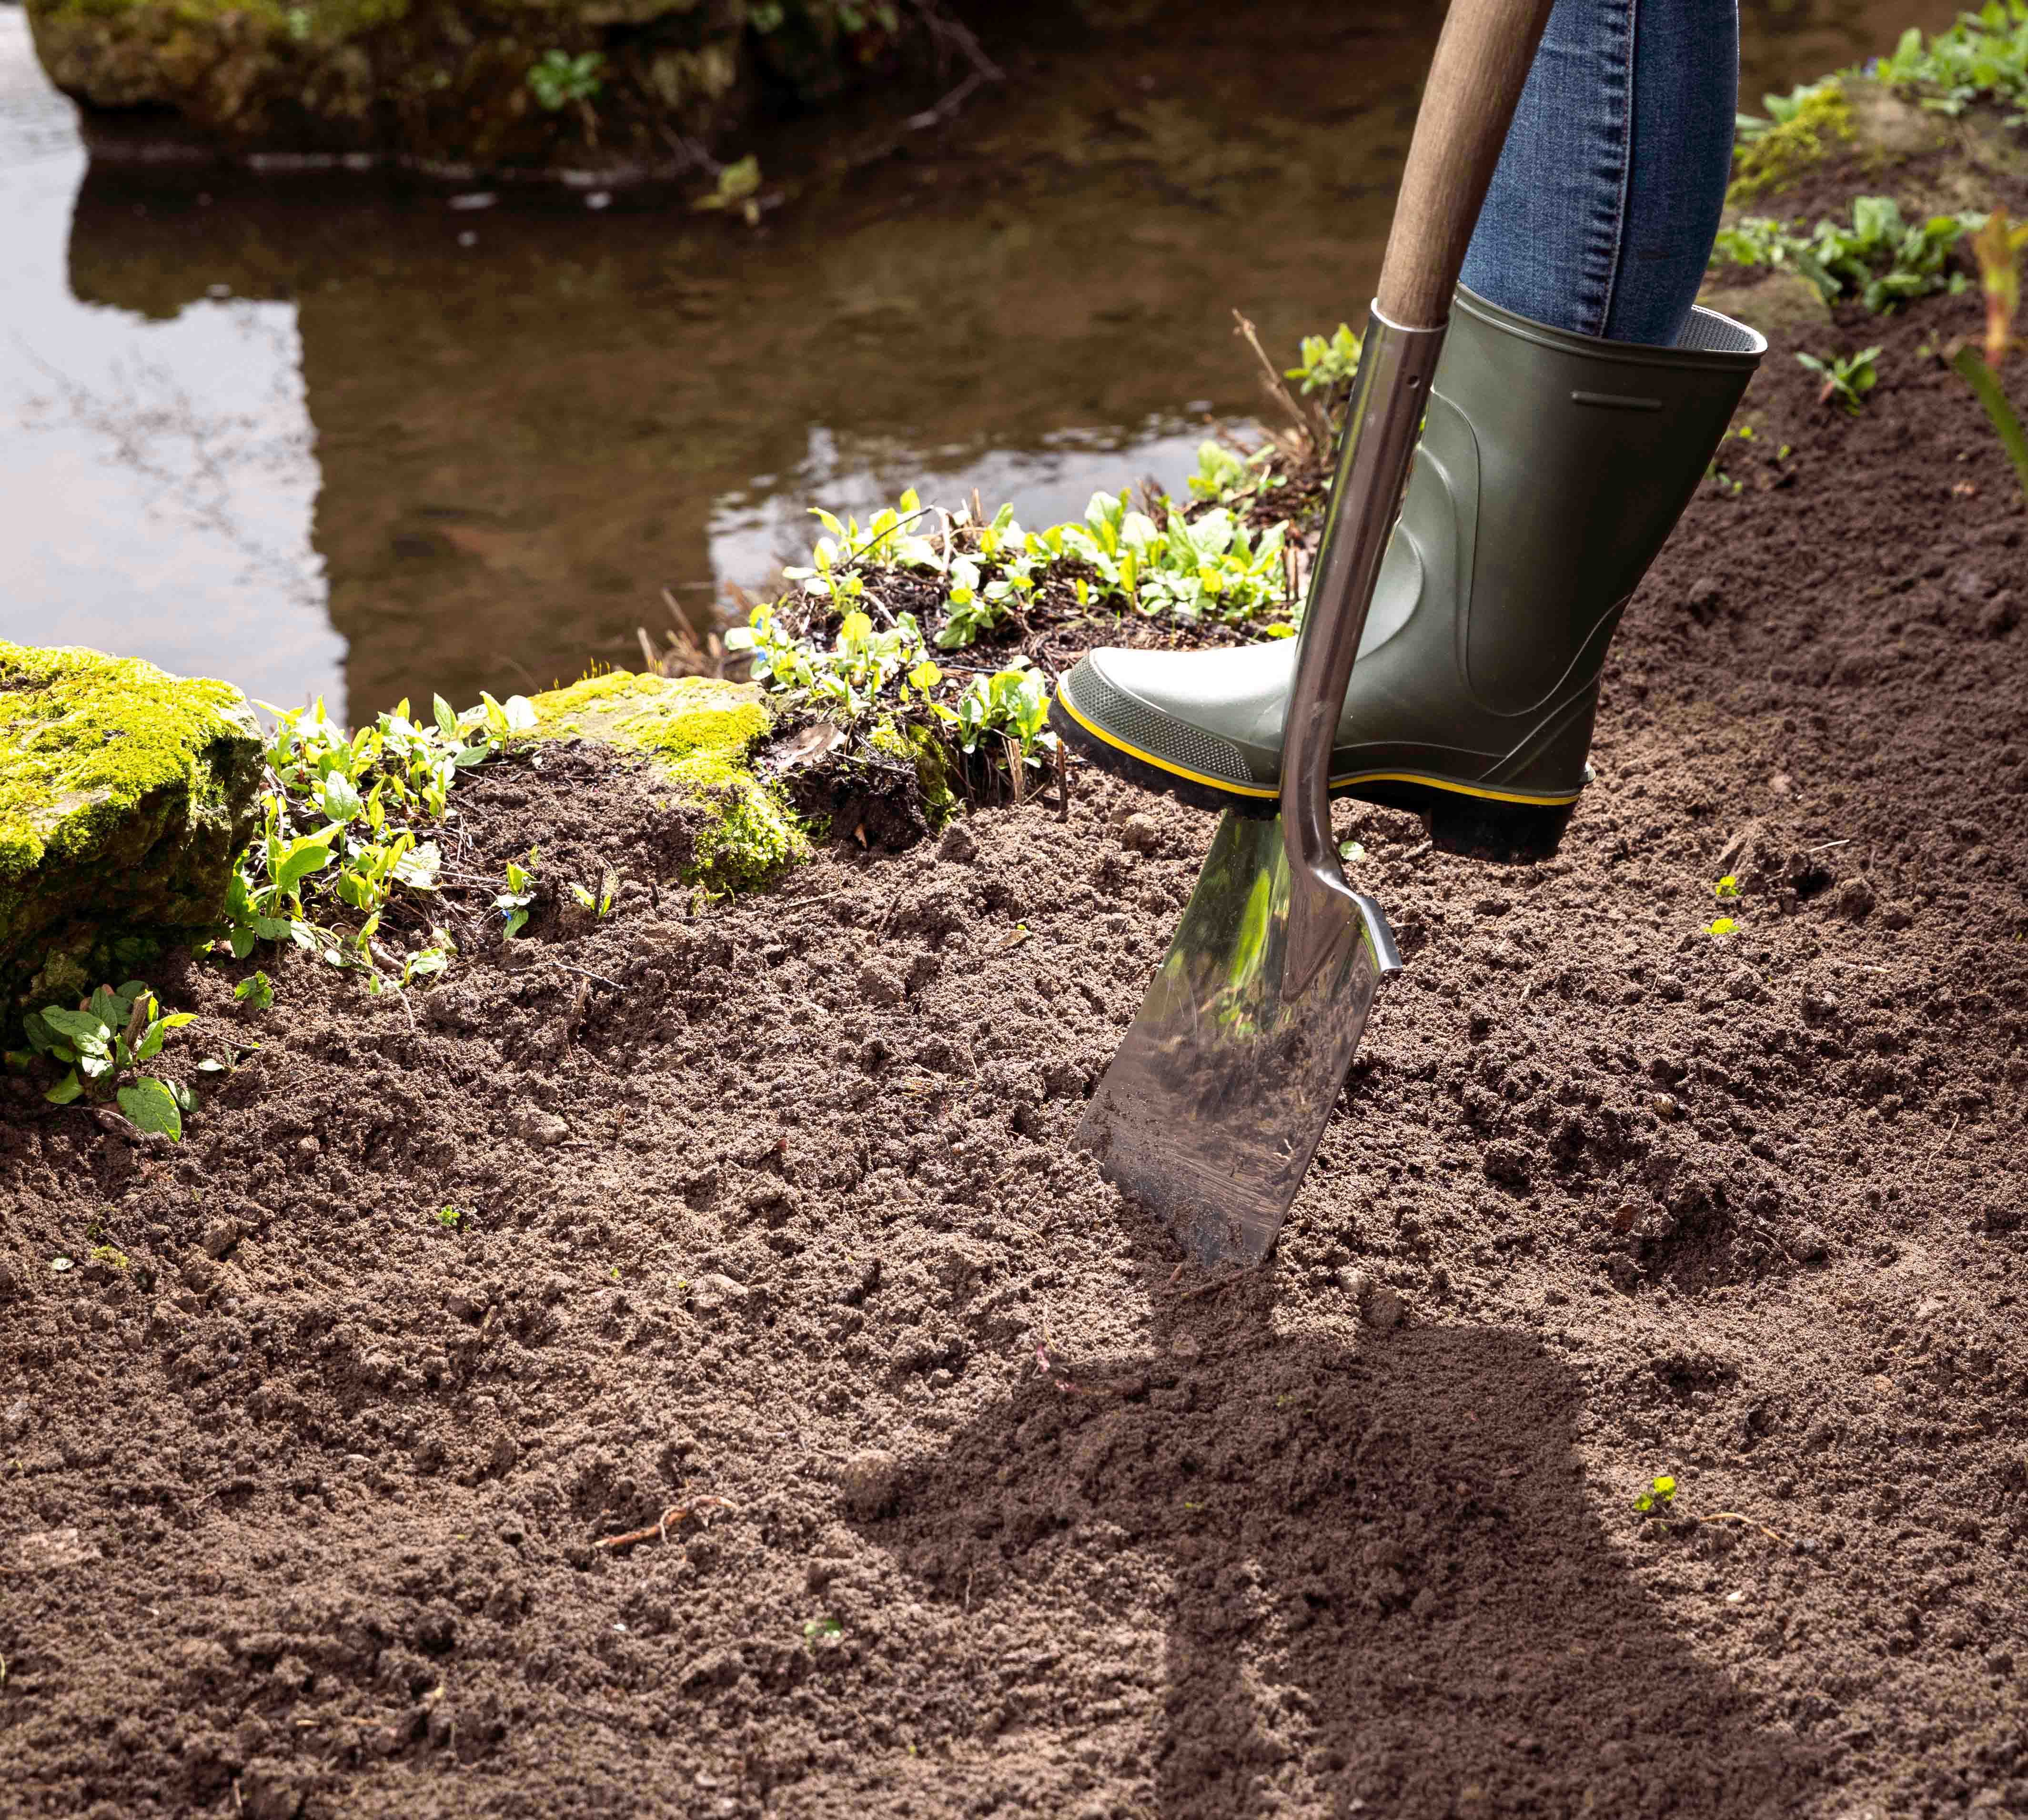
<point x="1213" y="1107"/>
<point x="1214" y="1103"/>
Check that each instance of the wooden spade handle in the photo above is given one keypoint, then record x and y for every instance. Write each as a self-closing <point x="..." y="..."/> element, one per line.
<point x="1482" y="57"/>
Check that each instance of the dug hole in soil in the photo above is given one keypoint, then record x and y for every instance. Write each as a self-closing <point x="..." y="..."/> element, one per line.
<point x="960" y="1495"/>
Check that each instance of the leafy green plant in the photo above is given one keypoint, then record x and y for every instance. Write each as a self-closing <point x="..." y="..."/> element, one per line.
<point x="844" y="678"/>
<point x="102" y="1044"/>
<point x="1326" y="362"/>
<point x="601" y="904"/>
<point x="513" y="904"/>
<point x="1879" y="258"/>
<point x="1721" y="925"/>
<point x="1847" y="379"/>
<point x="257" y="991"/>
<point x="1014" y="702"/>
<point x="1998" y="246"/>
<point x="344" y="819"/>
<point x="1660" y="1495"/>
<point x="1208" y="567"/>
<point x="557" y="80"/>
<point x="1727" y="890"/>
<point x="1986" y="53"/>
<point x="448" y="1217"/>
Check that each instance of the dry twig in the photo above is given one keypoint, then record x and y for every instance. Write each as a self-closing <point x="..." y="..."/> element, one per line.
<point x="659" y="1528"/>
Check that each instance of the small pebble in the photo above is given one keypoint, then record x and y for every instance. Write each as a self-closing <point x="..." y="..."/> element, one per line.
<point x="1383" y="1307"/>
<point x="866" y="1481"/>
<point x="1140" y="834"/>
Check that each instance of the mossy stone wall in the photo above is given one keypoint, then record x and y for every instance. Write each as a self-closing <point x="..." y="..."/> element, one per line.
<point x="124" y="795"/>
<point x="445" y="88"/>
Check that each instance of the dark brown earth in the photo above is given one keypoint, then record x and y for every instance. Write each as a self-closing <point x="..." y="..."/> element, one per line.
<point x="975" y="1501"/>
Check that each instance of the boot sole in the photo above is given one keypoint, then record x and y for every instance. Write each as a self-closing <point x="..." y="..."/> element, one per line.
<point x="1460" y="818"/>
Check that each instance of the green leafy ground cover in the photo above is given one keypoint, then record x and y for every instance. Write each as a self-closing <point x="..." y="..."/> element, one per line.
<point x="929" y="628"/>
<point x="1983" y="57"/>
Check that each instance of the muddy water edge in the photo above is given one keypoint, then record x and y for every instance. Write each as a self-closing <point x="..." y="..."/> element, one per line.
<point x="522" y="422"/>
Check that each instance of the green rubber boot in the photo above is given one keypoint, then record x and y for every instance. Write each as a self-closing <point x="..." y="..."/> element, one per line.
<point x="1552" y="468"/>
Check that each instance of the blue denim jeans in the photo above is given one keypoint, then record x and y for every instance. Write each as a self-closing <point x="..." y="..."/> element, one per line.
<point x="1607" y="198"/>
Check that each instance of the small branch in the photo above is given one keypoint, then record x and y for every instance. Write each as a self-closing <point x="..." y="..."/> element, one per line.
<point x="1311" y="424"/>
<point x="659" y="1530"/>
<point x="583" y="973"/>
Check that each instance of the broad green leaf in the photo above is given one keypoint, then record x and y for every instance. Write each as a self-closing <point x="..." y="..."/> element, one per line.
<point x="299" y="859"/>
<point x="151" y="1104"/>
<point x="341" y="800"/>
<point x="84" y="1029"/>
<point x="64" y="1091"/>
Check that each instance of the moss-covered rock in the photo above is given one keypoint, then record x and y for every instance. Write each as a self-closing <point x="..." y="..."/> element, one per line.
<point x="453" y="89"/>
<point x="124" y="794"/>
<point x="702" y="735"/>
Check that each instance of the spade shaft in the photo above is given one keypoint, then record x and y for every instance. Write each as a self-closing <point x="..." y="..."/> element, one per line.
<point x="1214" y="1106"/>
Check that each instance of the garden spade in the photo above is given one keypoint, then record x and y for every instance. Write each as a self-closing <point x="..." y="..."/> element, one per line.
<point x="1212" y="1109"/>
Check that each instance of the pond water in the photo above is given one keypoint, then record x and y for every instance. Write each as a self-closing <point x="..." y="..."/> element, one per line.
<point x="356" y="436"/>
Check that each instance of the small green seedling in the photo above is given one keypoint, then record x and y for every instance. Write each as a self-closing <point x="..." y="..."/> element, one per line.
<point x="257" y="991"/>
<point x="448" y="1217"/>
<point x="1847" y="380"/>
<point x="815" y="1628"/>
<point x="1727" y="890"/>
<point x="513" y="902"/>
<point x="103" y="1042"/>
<point x="601" y="905"/>
<point x="1660" y="1495"/>
<point x="556" y="79"/>
<point x="1327" y="361"/>
<point x="1721" y="925"/>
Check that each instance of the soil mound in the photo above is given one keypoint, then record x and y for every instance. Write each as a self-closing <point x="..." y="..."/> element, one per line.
<point x="755" y="1234"/>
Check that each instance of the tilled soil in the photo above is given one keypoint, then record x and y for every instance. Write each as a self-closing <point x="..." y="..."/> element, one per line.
<point x="962" y="1495"/>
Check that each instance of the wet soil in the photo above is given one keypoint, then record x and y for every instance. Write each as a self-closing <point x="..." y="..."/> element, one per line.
<point x="961" y="1494"/>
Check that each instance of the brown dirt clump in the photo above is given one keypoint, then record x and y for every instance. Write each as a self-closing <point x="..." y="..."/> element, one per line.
<point x="976" y="1502"/>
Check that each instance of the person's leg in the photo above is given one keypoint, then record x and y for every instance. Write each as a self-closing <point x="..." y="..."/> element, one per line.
<point x="1602" y="212"/>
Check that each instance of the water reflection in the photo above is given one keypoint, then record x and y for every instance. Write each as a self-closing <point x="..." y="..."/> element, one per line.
<point x="531" y="418"/>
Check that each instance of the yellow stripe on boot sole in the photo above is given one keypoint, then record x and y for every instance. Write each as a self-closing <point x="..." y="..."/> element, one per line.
<point x="1265" y="792"/>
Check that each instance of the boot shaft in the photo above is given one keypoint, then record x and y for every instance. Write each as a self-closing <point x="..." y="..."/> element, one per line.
<point x="1557" y="466"/>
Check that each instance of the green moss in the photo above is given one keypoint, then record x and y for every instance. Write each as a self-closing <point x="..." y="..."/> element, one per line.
<point x="326" y="21"/>
<point x="702" y="735"/>
<point x="1788" y="147"/>
<point x="84" y="738"/>
<point x="124" y="794"/>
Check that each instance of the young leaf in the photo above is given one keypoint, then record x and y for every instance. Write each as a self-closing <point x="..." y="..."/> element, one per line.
<point x="89" y="1032"/>
<point x="151" y="1104"/>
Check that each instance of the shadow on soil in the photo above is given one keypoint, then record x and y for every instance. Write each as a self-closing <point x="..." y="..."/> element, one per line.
<point x="1387" y="1582"/>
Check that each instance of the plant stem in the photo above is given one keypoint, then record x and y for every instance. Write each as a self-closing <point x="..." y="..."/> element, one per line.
<point x="1985" y="388"/>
